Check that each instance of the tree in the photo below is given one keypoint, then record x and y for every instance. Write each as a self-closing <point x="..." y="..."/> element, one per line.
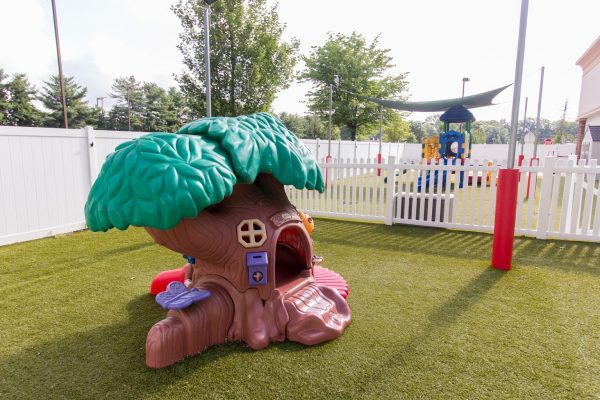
<point x="100" y="119"/>
<point x="145" y="106"/>
<point x="308" y="126"/>
<point x="422" y="129"/>
<point x="19" y="109"/>
<point x="478" y="135"/>
<point x="417" y="130"/>
<point x="153" y="111"/>
<point x="126" y="114"/>
<point x="249" y="61"/>
<point x="162" y="110"/>
<point x="177" y="110"/>
<point x="352" y="65"/>
<point x="79" y="113"/>
<point x="396" y="129"/>
<point x="4" y="99"/>
<point x="564" y="131"/>
<point x="494" y="132"/>
<point x="315" y="128"/>
<point x="294" y="122"/>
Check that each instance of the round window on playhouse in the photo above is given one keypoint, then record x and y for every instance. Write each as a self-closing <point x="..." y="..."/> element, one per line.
<point x="251" y="233"/>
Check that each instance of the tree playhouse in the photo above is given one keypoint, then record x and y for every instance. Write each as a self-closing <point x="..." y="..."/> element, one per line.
<point x="214" y="192"/>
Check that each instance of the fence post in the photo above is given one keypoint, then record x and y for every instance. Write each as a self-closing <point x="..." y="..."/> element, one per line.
<point x="571" y="161"/>
<point x="317" y="150"/>
<point x="391" y="188"/>
<point x="92" y="157"/>
<point x="547" y="181"/>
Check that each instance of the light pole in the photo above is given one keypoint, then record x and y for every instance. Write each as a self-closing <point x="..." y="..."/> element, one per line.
<point x="380" y="131"/>
<point x="60" y="72"/>
<point x="330" y="112"/>
<point x="464" y="80"/>
<point x="207" y="54"/>
<point x="523" y="129"/>
<point x="336" y="79"/>
<point x="100" y="100"/>
<point x="539" y="110"/>
<point x="128" y="110"/>
<point x="514" y="119"/>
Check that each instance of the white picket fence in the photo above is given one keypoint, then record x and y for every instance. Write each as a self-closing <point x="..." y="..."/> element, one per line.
<point x="556" y="200"/>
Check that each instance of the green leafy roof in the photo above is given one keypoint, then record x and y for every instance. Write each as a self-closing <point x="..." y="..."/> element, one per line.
<point x="159" y="178"/>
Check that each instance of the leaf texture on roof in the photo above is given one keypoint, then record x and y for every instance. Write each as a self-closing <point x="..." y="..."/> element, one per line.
<point x="159" y="178"/>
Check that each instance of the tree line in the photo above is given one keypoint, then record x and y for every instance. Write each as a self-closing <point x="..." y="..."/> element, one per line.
<point x="411" y="131"/>
<point x="250" y="64"/>
<point x="140" y="106"/>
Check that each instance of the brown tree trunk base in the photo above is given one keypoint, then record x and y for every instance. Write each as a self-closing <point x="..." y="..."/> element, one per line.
<point x="188" y="332"/>
<point x="307" y="313"/>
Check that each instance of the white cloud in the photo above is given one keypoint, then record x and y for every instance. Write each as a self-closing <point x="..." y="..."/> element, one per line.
<point x="26" y="45"/>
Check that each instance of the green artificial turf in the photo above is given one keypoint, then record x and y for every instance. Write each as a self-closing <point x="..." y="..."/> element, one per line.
<point x="430" y="320"/>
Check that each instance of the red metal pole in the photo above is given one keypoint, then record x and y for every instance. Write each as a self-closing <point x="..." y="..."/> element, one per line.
<point x="328" y="160"/>
<point x="537" y="162"/>
<point x="504" y="221"/>
<point x="378" y="162"/>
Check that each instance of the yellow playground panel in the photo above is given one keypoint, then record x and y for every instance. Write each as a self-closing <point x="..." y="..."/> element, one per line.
<point x="431" y="148"/>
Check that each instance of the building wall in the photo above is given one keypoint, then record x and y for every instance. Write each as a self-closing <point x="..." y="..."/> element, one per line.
<point x="595" y="118"/>
<point x="589" y="99"/>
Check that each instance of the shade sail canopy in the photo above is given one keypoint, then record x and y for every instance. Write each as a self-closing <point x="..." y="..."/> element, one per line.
<point x="473" y="101"/>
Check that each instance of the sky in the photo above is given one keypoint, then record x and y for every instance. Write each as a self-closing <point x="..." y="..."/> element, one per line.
<point x="438" y="42"/>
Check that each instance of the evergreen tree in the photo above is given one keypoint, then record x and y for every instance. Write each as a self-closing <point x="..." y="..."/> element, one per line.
<point x="100" y="119"/>
<point x="126" y="115"/>
<point x="177" y="110"/>
<point x="20" y="110"/>
<point x="79" y="112"/>
<point x="4" y="100"/>
<point x="154" y="108"/>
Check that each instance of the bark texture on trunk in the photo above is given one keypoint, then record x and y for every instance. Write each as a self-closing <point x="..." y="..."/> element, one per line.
<point x="187" y="332"/>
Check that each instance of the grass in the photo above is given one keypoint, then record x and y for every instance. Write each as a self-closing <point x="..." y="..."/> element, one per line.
<point x="430" y="320"/>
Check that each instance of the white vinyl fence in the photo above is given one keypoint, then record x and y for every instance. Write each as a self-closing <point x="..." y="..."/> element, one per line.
<point x="46" y="174"/>
<point x="45" y="177"/>
<point x="344" y="149"/>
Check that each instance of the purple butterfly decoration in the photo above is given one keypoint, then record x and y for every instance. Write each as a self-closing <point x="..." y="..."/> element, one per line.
<point x="178" y="297"/>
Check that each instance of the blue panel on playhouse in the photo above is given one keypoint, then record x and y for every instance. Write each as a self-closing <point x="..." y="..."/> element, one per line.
<point x="257" y="263"/>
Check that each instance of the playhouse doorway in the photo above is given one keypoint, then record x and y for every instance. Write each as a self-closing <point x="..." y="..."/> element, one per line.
<point x="292" y="256"/>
